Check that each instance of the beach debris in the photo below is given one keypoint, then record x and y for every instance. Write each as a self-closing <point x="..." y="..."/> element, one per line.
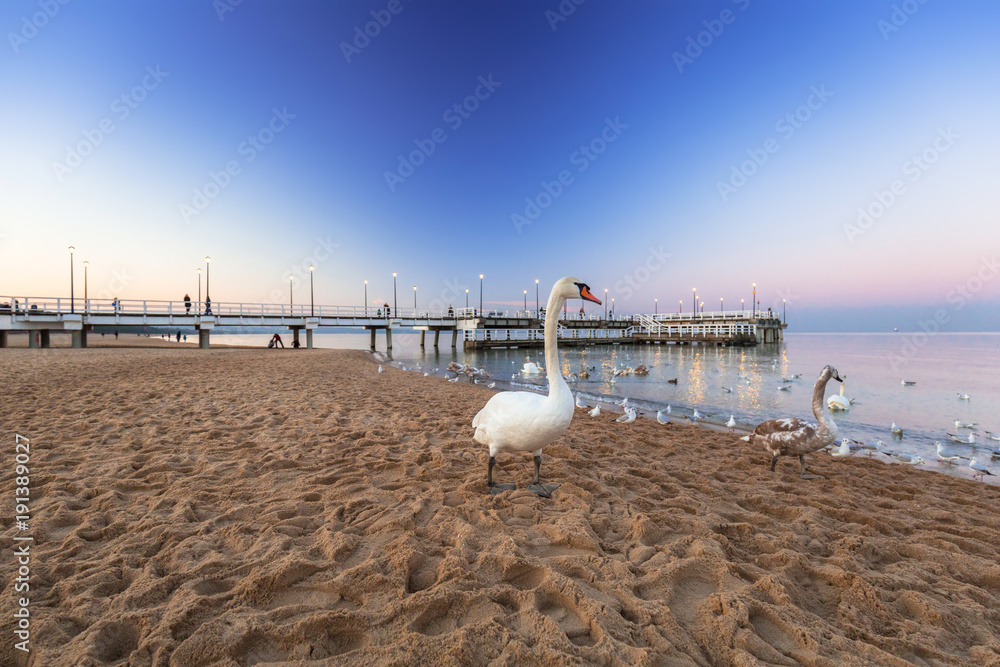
<point x="979" y="470"/>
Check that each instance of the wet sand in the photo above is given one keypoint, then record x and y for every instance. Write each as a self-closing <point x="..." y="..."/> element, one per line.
<point x="259" y="507"/>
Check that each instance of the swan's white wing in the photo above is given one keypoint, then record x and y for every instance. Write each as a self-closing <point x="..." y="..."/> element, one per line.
<point x="520" y="421"/>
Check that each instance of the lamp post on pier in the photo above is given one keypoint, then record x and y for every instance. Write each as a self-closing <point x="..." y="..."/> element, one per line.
<point x="366" y="298"/>
<point x="466" y="298"/>
<point x="199" y="288"/>
<point x="605" y="303"/>
<point x="536" y="298"/>
<point x="526" y="302"/>
<point x="86" y="304"/>
<point x="480" y="295"/>
<point x="694" y="301"/>
<point x="414" y="301"/>
<point x="312" y="294"/>
<point x="754" y="302"/>
<point x="71" y="250"/>
<point x="394" y="304"/>
<point x="703" y="309"/>
<point x="291" y="302"/>
<point x="680" y="304"/>
<point x="783" y="319"/>
<point x="208" y="279"/>
<point x="722" y="306"/>
<point x="656" y="306"/>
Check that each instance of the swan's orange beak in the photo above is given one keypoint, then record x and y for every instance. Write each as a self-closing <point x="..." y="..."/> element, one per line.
<point x="585" y="294"/>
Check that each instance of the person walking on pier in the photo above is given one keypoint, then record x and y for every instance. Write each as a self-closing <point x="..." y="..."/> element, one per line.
<point x="208" y="306"/>
<point x="187" y="304"/>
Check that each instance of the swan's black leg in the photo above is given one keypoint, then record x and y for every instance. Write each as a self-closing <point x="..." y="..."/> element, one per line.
<point x="774" y="461"/>
<point x="496" y="488"/>
<point x="802" y="474"/>
<point x="544" y="490"/>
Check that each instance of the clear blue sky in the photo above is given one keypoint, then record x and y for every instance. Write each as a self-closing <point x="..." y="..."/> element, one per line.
<point x="743" y="159"/>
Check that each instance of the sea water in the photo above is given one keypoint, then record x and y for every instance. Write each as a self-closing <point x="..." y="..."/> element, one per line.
<point x="873" y="367"/>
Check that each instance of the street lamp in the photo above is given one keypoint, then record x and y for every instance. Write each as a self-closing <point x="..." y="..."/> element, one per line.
<point x="613" y="307"/>
<point x="466" y="298"/>
<point x="208" y="278"/>
<point x="366" y="298"/>
<point x="605" y="303"/>
<point x="680" y="304"/>
<point x="480" y="294"/>
<point x="312" y="294"/>
<point x="722" y="306"/>
<point x="394" y="305"/>
<point x="199" y="288"/>
<point x="741" y="307"/>
<point x="86" y="305"/>
<point x="414" y="300"/>
<point x="783" y="319"/>
<point x="525" y="301"/>
<point x="753" y="303"/>
<point x="536" y="298"/>
<point x="291" y="302"/>
<point x="71" y="250"/>
<point x="702" y="308"/>
<point x="694" y="301"/>
<point x="656" y="306"/>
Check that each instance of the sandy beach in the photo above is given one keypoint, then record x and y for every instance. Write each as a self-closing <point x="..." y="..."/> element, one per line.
<point x="239" y="507"/>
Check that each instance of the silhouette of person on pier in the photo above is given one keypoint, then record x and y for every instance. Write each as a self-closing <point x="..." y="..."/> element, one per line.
<point x="187" y="304"/>
<point x="208" y="306"/>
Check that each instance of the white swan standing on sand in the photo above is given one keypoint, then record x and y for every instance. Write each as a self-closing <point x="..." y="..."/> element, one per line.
<point x="520" y="421"/>
<point x="794" y="437"/>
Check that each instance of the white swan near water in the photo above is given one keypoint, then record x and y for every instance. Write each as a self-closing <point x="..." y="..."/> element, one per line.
<point x="520" y="421"/>
<point x="839" y="401"/>
<point x="794" y="437"/>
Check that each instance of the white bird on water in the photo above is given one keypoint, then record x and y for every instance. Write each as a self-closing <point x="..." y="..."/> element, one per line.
<point x="628" y="417"/>
<point x="521" y="421"/>
<point x="697" y="416"/>
<point x="991" y="435"/>
<point x="596" y="412"/>
<point x="961" y="424"/>
<point x="731" y="423"/>
<point x="662" y="418"/>
<point x="946" y="454"/>
<point x="979" y="470"/>
<point x="971" y="440"/>
<point x="895" y="430"/>
<point x="728" y="390"/>
<point x="908" y="383"/>
<point x="964" y="397"/>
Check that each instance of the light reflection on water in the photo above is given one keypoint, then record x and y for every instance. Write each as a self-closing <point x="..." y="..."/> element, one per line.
<point x="952" y="364"/>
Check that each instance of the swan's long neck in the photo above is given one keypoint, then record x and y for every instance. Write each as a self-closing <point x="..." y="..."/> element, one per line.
<point x="553" y="371"/>
<point x="826" y="424"/>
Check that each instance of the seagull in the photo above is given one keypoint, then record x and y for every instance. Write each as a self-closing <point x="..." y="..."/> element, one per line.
<point x="908" y="459"/>
<point x="896" y="431"/>
<point x="979" y="470"/>
<point x="877" y="446"/>
<point x="580" y="403"/>
<point x="908" y="383"/>
<point x="623" y="403"/>
<point x="491" y="385"/>
<point x="380" y="369"/>
<point x="454" y="379"/>
<point x="426" y="374"/>
<point x="843" y="451"/>
<point x="798" y="375"/>
<point x="946" y="454"/>
<point x="662" y="418"/>
<point x="960" y="424"/>
<point x="596" y="412"/>
<point x="728" y="390"/>
<point x="971" y="440"/>
<point x="731" y="423"/>
<point x="783" y="387"/>
<point x="697" y="416"/>
<point x="669" y="409"/>
<point x="964" y="397"/>
<point x="627" y="418"/>
<point x="991" y="435"/>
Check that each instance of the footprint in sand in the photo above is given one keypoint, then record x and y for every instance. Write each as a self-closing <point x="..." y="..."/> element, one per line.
<point x="564" y="614"/>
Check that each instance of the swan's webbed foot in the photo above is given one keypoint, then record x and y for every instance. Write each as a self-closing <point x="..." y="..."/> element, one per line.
<point x="802" y="474"/>
<point x="496" y="488"/>
<point x="543" y="490"/>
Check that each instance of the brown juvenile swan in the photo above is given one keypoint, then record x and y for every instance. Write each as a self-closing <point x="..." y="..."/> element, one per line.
<point x="794" y="437"/>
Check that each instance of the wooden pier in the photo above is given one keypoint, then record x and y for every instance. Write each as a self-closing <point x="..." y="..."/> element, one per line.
<point x="40" y="317"/>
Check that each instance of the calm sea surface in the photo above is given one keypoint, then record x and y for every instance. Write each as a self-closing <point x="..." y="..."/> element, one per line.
<point x="873" y="365"/>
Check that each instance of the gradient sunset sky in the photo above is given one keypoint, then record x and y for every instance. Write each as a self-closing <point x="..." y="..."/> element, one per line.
<point x="665" y="145"/>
